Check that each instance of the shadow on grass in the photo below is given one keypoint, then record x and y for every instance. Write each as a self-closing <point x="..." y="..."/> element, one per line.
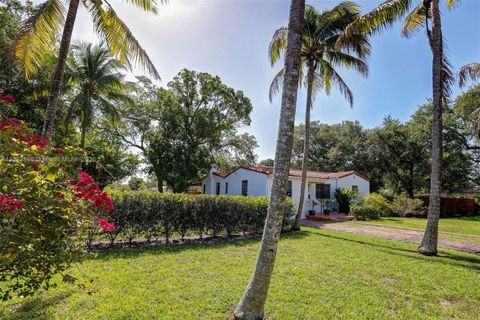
<point x="459" y="260"/>
<point x="221" y="243"/>
<point x="35" y="307"/>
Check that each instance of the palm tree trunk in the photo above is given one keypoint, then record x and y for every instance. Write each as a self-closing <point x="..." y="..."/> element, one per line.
<point x="160" y="185"/>
<point x="306" y="144"/>
<point x="252" y="304"/>
<point x="430" y="238"/>
<point x="57" y="78"/>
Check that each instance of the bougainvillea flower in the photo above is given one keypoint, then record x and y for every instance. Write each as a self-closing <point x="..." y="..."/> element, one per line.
<point x="57" y="150"/>
<point x="86" y="188"/>
<point x="10" y="123"/>
<point x="105" y="225"/>
<point x="37" y="140"/>
<point x="9" y="203"/>
<point x="8" y="98"/>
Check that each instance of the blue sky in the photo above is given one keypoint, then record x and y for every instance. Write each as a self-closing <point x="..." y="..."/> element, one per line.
<point x="230" y="39"/>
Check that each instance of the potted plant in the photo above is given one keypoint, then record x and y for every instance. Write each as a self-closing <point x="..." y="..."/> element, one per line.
<point x="314" y="204"/>
<point x="326" y="206"/>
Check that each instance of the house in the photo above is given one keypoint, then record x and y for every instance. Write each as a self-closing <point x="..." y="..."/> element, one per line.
<point x="257" y="181"/>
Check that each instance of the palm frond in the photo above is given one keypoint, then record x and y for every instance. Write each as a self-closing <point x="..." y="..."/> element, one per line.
<point x="334" y="21"/>
<point x="343" y="59"/>
<point x="415" y="20"/>
<point x="376" y="20"/>
<point x="448" y="79"/>
<point x="119" y="39"/>
<point x="275" y="85"/>
<point x="451" y="4"/>
<point x="471" y="70"/>
<point x="36" y="40"/>
<point x="278" y="45"/>
<point x="146" y="5"/>
<point x="329" y="75"/>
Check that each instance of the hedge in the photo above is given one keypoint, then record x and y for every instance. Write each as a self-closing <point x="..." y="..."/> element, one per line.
<point x="151" y="215"/>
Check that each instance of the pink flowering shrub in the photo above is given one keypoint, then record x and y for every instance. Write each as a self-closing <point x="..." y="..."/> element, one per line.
<point x="46" y="208"/>
<point x="9" y="204"/>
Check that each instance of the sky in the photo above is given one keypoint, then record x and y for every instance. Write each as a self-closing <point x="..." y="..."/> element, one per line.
<point x="230" y="39"/>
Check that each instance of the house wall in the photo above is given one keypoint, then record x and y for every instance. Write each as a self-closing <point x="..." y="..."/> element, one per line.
<point x="257" y="183"/>
<point x="210" y="183"/>
<point x="354" y="180"/>
<point x="260" y="184"/>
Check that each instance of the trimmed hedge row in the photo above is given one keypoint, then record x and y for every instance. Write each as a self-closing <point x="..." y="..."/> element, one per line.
<point x="140" y="214"/>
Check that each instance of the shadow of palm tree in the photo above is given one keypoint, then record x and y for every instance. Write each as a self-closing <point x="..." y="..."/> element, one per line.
<point x="460" y="260"/>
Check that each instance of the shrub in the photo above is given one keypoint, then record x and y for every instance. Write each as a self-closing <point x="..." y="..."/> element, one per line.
<point x="43" y="212"/>
<point x="379" y="202"/>
<point x="136" y="183"/>
<point x="345" y="198"/>
<point x="404" y="206"/>
<point x="364" y="212"/>
<point x="139" y="213"/>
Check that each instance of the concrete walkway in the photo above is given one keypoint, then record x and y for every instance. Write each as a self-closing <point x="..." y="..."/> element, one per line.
<point x="394" y="233"/>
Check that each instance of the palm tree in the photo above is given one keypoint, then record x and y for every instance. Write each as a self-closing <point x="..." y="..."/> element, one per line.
<point x="319" y="58"/>
<point x="471" y="70"/>
<point x="252" y="304"/>
<point x="424" y="12"/>
<point x="39" y="35"/>
<point x="97" y="83"/>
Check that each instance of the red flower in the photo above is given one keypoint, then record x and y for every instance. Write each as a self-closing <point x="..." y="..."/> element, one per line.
<point x="35" y="166"/>
<point x="37" y="140"/>
<point x="87" y="189"/>
<point x="13" y="123"/>
<point x="8" y="98"/>
<point x="104" y="225"/>
<point x="9" y="203"/>
<point x="57" y="150"/>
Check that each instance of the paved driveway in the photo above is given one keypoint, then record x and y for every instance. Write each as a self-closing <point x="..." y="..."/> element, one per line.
<point x="396" y="233"/>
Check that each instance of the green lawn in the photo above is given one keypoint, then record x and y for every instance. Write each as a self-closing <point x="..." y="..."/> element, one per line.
<point x="465" y="225"/>
<point x="319" y="274"/>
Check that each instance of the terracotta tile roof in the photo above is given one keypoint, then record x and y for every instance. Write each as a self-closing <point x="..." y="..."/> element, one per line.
<point x="220" y="174"/>
<point x="298" y="173"/>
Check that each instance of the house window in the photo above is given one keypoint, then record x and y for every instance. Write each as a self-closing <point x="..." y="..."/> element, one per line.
<point x="354" y="188"/>
<point x="244" y="187"/>
<point x="217" y="192"/>
<point x="226" y="187"/>
<point x="322" y="191"/>
<point x="204" y="188"/>
<point x="289" y="190"/>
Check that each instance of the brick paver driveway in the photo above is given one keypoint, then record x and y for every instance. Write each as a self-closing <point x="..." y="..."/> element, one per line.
<point x="396" y="233"/>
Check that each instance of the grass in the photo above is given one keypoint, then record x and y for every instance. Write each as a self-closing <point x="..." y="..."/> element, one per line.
<point x="464" y="225"/>
<point x="319" y="274"/>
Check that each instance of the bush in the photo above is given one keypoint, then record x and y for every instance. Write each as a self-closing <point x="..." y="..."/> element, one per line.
<point x="379" y="202"/>
<point x="43" y="212"/>
<point x="345" y="198"/>
<point x="136" y="183"/>
<point x="142" y="213"/>
<point x="364" y="212"/>
<point x="403" y="206"/>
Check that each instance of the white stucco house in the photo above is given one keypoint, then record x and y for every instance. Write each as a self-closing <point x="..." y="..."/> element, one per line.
<point x="257" y="181"/>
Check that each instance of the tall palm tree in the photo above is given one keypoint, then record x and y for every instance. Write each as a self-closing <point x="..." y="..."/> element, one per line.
<point x="425" y="12"/>
<point x="39" y="36"/>
<point x="471" y="70"/>
<point x="97" y="84"/>
<point x="320" y="59"/>
<point x="252" y="304"/>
